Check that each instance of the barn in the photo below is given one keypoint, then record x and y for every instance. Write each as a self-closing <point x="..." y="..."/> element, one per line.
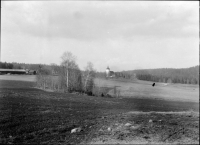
<point x="12" y="71"/>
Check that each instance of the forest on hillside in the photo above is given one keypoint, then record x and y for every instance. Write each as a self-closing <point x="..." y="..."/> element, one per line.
<point x="168" y="75"/>
<point x="165" y="75"/>
<point x="15" y="65"/>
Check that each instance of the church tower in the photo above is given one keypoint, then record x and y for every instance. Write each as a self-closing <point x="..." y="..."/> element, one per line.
<point x="107" y="72"/>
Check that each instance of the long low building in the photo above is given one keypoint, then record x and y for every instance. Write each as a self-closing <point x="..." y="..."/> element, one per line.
<point x="13" y="71"/>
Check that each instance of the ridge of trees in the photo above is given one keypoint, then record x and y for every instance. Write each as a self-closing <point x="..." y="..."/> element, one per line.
<point x="168" y="75"/>
<point x="15" y="65"/>
<point x="165" y="75"/>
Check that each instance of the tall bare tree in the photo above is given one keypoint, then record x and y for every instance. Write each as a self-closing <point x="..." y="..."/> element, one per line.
<point x="68" y="63"/>
<point x="43" y="77"/>
<point x="89" y="77"/>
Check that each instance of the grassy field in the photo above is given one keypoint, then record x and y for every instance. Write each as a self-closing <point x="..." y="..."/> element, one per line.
<point x="135" y="88"/>
<point x="27" y="78"/>
<point x="32" y="116"/>
<point x="140" y="89"/>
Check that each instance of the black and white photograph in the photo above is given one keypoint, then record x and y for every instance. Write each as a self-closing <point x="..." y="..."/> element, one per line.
<point x="99" y="72"/>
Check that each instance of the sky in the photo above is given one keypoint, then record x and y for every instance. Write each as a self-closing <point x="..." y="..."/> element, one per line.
<point x="124" y="35"/>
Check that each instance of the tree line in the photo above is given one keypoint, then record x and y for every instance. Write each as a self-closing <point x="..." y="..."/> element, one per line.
<point x="123" y="74"/>
<point x="15" y="65"/>
<point x="169" y="75"/>
<point x="165" y="75"/>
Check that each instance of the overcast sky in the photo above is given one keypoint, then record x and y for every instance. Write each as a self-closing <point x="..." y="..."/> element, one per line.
<point x="122" y="35"/>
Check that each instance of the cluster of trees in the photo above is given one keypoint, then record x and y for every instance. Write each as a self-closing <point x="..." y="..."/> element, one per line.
<point x="6" y="65"/>
<point x="169" y="75"/>
<point x="15" y="65"/>
<point x="69" y="78"/>
<point x="66" y="77"/>
<point x="123" y="75"/>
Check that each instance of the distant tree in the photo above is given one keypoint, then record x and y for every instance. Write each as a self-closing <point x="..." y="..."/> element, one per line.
<point x="76" y="79"/>
<point x="188" y="81"/>
<point x="6" y="65"/>
<point x="169" y="80"/>
<point x="55" y="69"/>
<point x="43" y="77"/>
<point x="164" y="80"/>
<point x="193" y="81"/>
<point x="10" y="66"/>
<point x="181" y="80"/>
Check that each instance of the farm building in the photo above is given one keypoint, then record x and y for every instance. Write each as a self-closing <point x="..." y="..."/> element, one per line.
<point x="17" y="71"/>
<point x="32" y="72"/>
<point x="13" y="71"/>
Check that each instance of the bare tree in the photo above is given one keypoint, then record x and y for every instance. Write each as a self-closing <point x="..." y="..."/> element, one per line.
<point x="55" y="68"/>
<point x="43" y="77"/>
<point x="67" y="77"/>
<point x="89" y="77"/>
<point x="75" y="79"/>
<point x="55" y="71"/>
<point x="68" y="63"/>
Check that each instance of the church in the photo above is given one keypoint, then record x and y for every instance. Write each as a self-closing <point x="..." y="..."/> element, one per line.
<point x="109" y="73"/>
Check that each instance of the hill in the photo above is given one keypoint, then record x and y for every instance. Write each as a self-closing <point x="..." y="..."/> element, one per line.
<point x="168" y="75"/>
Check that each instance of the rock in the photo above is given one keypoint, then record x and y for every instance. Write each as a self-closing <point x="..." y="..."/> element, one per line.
<point x="150" y="121"/>
<point x="109" y="129"/>
<point x="127" y="124"/>
<point x="116" y="124"/>
<point x="134" y="127"/>
<point x="76" y="130"/>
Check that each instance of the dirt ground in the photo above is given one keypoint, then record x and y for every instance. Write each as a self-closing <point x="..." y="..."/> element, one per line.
<point x="32" y="116"/>
<point x="148" y="128"/>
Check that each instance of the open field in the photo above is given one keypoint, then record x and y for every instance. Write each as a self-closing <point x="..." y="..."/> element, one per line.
<point x="135" y="88"/>
<point x="141" y="89"/>
<point x="29" y="115"/>
<point x="27" y="78"/>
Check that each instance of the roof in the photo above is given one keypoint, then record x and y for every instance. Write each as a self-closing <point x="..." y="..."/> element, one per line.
<point x="32" y="71"/>
<point x="12" y="70"/>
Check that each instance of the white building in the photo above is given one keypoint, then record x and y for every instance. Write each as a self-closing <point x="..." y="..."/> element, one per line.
<point x="109" y="73"/>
